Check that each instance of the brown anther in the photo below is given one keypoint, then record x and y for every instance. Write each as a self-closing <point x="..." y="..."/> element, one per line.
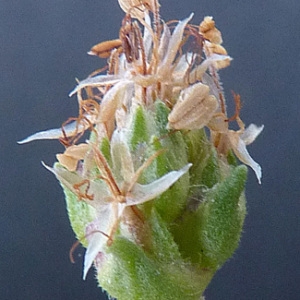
<point x="209" y="31"/>
<point x="129" y="38"/>
<point x="104" y="49"/>
<point x="197" y="44"/>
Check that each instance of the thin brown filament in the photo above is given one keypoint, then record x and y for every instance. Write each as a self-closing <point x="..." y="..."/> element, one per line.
<point x="77" y="243"/>
<point x="84" y="195"/>
<point x="238" y="106"/>
<point x="145" y="165"/>
<point x="217" y="83"/>
<point x="137" y="213"/>
<point x="103" y="165"/>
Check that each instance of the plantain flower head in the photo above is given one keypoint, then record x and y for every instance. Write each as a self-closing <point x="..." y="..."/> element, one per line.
<point x="147" y="160"/>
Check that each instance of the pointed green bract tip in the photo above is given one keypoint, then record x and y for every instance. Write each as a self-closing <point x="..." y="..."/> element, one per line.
<point x="214" y="225"/>
<point x="131" y="272"/>
<point x="80" y="215"/>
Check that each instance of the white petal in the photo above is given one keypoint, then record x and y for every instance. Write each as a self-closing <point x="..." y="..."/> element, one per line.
<point x="69" y="179"/>
<point x="251" y="133"/>
<point x="52" y="134"/>
<point x="118" y="95"/>
<point x="43" y="135"/>
<point x="164" y="42"/>
<point x="208" y="80"/>
<point x="142" y="193"/>
<point x="96" y="236"/>
<point x="198" y="72"/>
<point x="122" y="160"/>
<point x="65" y="177"/>
<point x="147" y="39"/>
<point x="100" y="80"/>
<point x="96" y="244"/>
<point x="174" y="43"/>
<point x="183" y="65"/>
<point x="240" y="150"/>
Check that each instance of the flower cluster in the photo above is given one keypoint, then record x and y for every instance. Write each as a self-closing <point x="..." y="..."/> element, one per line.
<point x="160" y="89"/>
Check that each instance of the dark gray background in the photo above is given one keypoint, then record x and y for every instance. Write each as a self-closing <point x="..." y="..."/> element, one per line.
<point x="43" y="47"/>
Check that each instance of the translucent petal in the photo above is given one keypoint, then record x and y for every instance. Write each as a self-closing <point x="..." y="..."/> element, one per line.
<point x="147" y="39"/>
<point x="240" y="150"/>
<point x="96" y="188"/>
<point x="52" y="134"/>
<point x="99" y="233"/>
<point x="65" y="177"/>
<point x="119" y="94"/>
<point x="44" y="135"/>
<point x="96" y="236"/>
<point x="142" y="193"/>
<point x="174" y="43"/>
<point x="183" y="65"/>
<point x="251" y="133"/>
<point x="100" y="80"/>
<point x="164" y="41"/>
<point x="96" y="244"/>
<point x="198" y="72"/>
<point x="122" y="161"/>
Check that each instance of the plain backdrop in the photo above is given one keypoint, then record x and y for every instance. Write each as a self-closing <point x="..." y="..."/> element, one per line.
<point x="43" y="47"/>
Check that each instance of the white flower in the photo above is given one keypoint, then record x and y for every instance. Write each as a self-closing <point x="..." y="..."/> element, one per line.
<point x="225" y="139"/>
<point x="239" y="141"/>
<point x="113" y="191"/>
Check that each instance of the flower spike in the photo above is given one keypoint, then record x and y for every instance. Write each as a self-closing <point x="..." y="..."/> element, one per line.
<point x="154" y="192"/>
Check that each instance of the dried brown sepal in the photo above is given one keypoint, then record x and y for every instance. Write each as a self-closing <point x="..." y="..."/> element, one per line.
<point x="104" y="49"/>
<point x="209" y="31"/>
